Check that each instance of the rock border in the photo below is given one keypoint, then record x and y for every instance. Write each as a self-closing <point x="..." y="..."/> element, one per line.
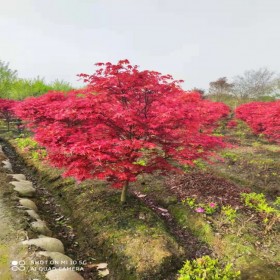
<point x="53" y="247"/>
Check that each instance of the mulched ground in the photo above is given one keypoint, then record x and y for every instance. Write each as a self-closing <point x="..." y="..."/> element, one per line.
<point x="206" y="188"/>
<point x="194" y="248"/>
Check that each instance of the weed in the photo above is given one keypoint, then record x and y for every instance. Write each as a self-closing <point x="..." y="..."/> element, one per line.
<point x="189" y="201"/>
<point x="257" y="202"/>
<point x="207" y="268"/>
<point x="232" y="157"/>
<point x="208" y="209"/>
<point x="200" y="164"/>
<point x="276" y="203"/>
<point x="229" y="213"/>
<point x="30" y="145"/>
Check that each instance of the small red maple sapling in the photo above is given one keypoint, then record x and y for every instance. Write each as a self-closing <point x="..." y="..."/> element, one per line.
<point x="124" y="123"/>
<point x="6" y="110"/>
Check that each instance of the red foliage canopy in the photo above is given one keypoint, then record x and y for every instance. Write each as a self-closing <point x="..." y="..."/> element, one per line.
<point x="125" y="122"/>
<point x="262" y="117"/>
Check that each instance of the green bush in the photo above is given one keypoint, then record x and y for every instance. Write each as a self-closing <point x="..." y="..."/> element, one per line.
<point x="206" y="268"/>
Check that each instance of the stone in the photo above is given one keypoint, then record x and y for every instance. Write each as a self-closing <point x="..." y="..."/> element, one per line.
<point x="40" y="227"/>
<point x="27" y="203"/>
<point x="24" y="188"/>
<point x="33" y="214"/>
<point x="102" y="266"/>
<point x="18" y="177"/>
<point x="47" y="243"/>
<point x="7" y="164"/>
<point x="25" y="191"/>
<point x="59" y="260"/>
<point x="103" y="273"/>
<point x="24" y="183"/>
<point x="62" y="274"/>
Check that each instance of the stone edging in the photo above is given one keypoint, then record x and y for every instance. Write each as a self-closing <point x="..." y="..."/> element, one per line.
<point x="52" y="248"/>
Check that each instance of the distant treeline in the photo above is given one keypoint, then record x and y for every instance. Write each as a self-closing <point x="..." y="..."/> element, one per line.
<point x="253" y="85"/>
<point x="14" y="87"/>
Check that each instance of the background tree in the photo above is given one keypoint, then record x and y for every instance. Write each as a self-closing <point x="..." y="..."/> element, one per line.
<point x="254" y="84"/>
<point x="277" y="87"/>
<point x="7" y="78"/>
<point x="22" y="88"/>
<point x="219" y="88"/>
<point x="61" y="85"/>
<point x="12" y="87"/>
<point x="200" y="91"/>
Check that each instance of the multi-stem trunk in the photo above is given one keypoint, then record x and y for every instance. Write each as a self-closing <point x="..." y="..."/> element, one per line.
<point x="124" y="192"/>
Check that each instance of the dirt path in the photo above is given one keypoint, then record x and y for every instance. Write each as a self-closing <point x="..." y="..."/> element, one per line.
<point x="12" y="231"/>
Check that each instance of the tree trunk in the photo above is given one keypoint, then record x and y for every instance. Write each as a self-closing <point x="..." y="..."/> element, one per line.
<point x="124" y="192"/>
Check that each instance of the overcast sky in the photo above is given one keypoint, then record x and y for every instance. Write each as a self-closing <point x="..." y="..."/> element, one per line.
<point x="194" y="40"/>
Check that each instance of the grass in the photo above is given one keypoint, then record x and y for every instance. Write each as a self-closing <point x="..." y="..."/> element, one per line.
<point x="253" y="162"/>
<point x="118" y="233"/>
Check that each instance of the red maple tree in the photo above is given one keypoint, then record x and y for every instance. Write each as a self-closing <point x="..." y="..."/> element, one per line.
<point x="124" y="123"/>
<point x="262" y="117"/>
<point x="6" y="110"/>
